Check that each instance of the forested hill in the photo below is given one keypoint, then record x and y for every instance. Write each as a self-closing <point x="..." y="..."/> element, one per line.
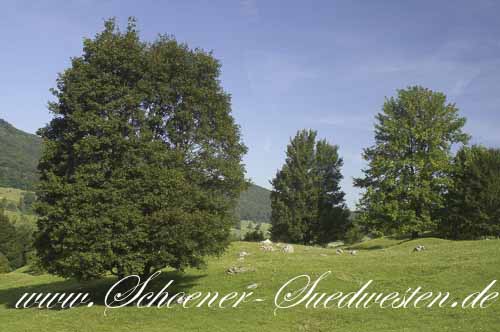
<point x="255" y="204"/>
<point x="19" y="153"/>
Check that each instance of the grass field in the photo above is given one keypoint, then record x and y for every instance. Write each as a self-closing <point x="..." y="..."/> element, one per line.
<point x="458" y="267"/>
<point x="13" y="195"/>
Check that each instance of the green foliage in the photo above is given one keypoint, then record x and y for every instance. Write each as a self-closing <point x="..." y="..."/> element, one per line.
<point x="307" y="202"/>
<point x="8" y="205"/>
<point x="141" y="166"/>
<point x="473" y="201"/>
<point x="26" y="202"/>
<point x="15" y="242"/>
<point x="4" y="264"/>
<point x="243" y="227"/>
<point x="254" y="236"/>
<point x="19" y="155"/>
<point x="354" y="234"/>
<point x="254" y="204"/>
<point x="408" y="166"/>
<point x="8" y="246"/>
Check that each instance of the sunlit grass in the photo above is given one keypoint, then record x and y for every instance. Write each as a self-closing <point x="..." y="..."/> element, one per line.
<point x="457" y="267"/>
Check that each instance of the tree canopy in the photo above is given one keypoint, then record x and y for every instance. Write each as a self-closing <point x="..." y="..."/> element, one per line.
<point x="408" y="167"/>
<point x="141" y="164"/>
<point x="473" y="201"/>
<point x="307" y="202"/>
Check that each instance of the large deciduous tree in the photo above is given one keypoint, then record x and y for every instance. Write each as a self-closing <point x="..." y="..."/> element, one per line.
<point x="141" y="163"/>
<point x="307" y="202"/>
<point x="408" y="167"/>
<point x="473" y="201"/>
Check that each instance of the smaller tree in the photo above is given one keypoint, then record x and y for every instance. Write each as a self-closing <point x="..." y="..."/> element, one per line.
<point x="473" y="201"/>
<point x="307" y="202"/>
<point x="409" y="163"/>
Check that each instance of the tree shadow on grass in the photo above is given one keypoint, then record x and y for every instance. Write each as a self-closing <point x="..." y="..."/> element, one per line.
<point x="97" y="289"/>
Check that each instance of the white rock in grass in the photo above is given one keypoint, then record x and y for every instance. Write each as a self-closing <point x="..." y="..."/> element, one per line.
<point x="236" y="269"/>
<point x="419" y="248"/>
<point x="267" y="248"/>
<point x="243" y="254"/>
<point x="288" y="249"/>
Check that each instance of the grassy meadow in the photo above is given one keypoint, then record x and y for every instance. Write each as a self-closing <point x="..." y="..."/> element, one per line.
<point x="12" y="196"/>
<point x="458" y="267"/>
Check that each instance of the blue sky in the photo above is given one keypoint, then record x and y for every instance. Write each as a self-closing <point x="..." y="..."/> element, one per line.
<point x="326" y="65"/>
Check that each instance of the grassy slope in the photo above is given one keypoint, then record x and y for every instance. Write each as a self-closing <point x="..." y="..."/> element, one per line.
<point x="11" y="194"/>
<point x="458" y="267"/>
<point x="14" y="195"/>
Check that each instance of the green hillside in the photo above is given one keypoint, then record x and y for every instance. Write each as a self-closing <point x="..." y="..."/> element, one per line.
<point x="255" y="204"/>
<point x="19" y="153"/>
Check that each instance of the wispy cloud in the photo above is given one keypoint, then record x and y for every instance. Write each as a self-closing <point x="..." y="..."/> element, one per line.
<point x="346" y="121"/>
<point x="267" y="144"/>
<point x="449" y="67"/>
<point x="250" y="9"/>
<point x="275" y="73"/>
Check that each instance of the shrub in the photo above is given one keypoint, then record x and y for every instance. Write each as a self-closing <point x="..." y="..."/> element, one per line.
<point x="354" y="234"/>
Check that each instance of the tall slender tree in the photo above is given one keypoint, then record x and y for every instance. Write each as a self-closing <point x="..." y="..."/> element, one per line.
<point x="141" y="164"/>
<point x="408" y="167"/>
<point x="307" y="202"/>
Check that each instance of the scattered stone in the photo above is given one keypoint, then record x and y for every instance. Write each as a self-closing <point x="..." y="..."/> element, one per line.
<point x="267" y="248"/>
<point x="339" y="251"/>
<point x="243" y="254"/>
<point x="288" y="249"/>
<point x="252" y="286"/>
<point x="266" y="242"/>
<point x="323" y="255"/>
<point x="419" y="248"/>
<point x="353" y="252"/>
<point x="236" y="269"/>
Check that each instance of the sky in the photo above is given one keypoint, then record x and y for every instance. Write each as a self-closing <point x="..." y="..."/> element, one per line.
<point x="324" y="65"/>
